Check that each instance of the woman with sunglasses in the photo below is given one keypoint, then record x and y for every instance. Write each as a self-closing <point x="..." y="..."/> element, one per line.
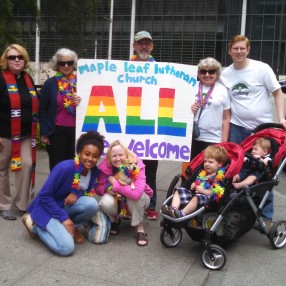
<point x="18" y="129"/>
<point x="58" y="103"/>
<point x="211" y="108"/>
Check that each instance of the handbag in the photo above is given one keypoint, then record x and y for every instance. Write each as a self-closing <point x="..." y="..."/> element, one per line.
<point x="98" y="231"/>
<point x="196" y="129"/>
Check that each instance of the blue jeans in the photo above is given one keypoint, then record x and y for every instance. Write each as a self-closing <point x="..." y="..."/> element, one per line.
<point x="56" y="236"/>
<point x="237" y="135"/>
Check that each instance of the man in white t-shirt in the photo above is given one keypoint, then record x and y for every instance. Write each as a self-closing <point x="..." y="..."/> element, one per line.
<point x="250" y="84"/>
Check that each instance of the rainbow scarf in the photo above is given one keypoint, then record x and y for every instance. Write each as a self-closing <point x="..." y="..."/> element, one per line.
<point x="76" y="180"/>
<point x="15" y="100"/>
<point x="67" y="89"/>
<point x="135" y="58"/>
<point x="214" y="183"/>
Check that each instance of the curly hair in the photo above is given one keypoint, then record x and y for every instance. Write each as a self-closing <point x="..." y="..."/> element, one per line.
<point x="63" y="52"/>
<point x="90" y="138"/>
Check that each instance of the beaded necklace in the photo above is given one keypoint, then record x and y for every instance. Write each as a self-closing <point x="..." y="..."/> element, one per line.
<point x="76" y="180"/>
<point x="213" y="183"/>
<point x="135" y="58"/>
<point x="67" y="89"/>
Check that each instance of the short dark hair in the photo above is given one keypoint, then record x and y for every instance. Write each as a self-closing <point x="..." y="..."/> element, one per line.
<point x="90" y="138"/>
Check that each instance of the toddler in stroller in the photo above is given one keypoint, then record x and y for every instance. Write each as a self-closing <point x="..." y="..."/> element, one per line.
<point x="253" y="169"/>
<point x="208" y="184"/>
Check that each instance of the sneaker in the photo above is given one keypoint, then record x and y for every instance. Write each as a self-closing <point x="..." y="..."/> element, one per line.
<point x="175" y="213"/>
<point x="152" y="214"/>
<point x="28" y="223"/>
<point x="165" y="209"/>
<point x="78" y="237"/>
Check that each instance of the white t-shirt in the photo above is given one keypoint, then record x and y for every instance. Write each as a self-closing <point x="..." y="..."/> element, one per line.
<point x="250" y="92"/>
<point x="210" y="122"/>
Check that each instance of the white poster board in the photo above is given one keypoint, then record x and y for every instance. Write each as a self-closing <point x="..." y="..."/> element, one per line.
<point x="146" y="105"/>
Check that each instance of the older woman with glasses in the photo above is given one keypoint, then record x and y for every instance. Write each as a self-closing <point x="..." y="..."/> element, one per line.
<point x="18" y="129"/>
<point x="58" y="103"/>
<point x="211" y="107"/>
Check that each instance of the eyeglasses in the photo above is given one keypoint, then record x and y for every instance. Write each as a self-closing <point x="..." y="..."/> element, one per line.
<point x="210" y="72"/>
<point x="13" y="58"/>
<point x="63" y="64"/>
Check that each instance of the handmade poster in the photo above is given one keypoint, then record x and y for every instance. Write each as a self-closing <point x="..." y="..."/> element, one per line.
<point x="146" y="105"/>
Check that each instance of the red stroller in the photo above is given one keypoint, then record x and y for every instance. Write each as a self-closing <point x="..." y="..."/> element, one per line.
<point x="217" y="224"/>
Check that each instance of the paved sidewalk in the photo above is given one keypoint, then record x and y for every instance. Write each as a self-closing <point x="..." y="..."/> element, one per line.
<point x="250" y="260"/>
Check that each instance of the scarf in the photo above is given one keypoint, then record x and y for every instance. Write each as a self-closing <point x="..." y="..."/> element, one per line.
<point x="67" y="89"/>
<point x="16" y="122"/>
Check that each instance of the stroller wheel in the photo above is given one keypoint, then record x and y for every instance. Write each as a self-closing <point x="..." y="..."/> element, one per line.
<point x="277" y="234"/>
<point x="219" y="258"/>
<point x="170" y="236"/>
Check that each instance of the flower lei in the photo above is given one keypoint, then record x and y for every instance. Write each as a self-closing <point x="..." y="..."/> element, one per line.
<point x="76" y="180"/>
<point x="132" y="174"/>
<point x="135" y="58"/>
<point x="67" y="89"/>
<point x="213" y="183"/>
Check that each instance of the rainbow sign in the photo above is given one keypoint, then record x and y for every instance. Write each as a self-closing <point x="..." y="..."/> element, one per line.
<point x="147" y="105"/>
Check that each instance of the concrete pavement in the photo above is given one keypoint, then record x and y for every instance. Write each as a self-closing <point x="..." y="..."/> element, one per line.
<point x="250" y="260"/>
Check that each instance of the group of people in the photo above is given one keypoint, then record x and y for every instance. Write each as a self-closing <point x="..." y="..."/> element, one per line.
<point x="229" y="105"/>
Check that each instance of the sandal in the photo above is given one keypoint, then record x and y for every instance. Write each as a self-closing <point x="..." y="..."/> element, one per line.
<point x="114" y="229"/>
<point x="141" y="236"/>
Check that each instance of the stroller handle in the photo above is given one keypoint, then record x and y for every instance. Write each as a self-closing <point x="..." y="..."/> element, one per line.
<point x="268" y="125"/>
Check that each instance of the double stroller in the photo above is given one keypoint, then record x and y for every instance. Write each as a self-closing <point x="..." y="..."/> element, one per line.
<point x="217" y="224"/>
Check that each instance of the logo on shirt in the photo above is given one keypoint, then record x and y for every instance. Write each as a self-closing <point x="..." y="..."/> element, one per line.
<point x="240" y="89"/>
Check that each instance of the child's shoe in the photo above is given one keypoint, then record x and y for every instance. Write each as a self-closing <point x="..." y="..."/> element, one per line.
<point x="175" y="213"/>
<point x="165" y="209"/>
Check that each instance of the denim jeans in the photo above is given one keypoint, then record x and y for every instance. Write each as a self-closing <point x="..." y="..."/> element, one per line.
<point x="56" y="236"/>
<point x="237" y="135"/>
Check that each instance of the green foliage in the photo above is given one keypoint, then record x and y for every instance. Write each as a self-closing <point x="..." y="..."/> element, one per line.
<point x="11" y="31"/>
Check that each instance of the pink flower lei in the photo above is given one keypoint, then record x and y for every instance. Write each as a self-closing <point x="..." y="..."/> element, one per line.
<point x="76" y="180"/>
<point x="67" y="89"/>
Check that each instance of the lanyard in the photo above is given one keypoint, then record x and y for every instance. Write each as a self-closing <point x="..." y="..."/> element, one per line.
<point x="203" y="101"/>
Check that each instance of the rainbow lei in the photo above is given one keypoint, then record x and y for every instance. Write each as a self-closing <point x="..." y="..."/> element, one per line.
<point x="67" y="89"/>
<point x="213" y="183"/>
<point x="132" y="174"/>
<point x="76" y="180"/>
<point x="134" y="58"/>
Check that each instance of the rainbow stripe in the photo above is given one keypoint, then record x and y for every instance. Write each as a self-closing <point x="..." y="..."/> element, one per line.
<point x="166" y="126"/>
<point x="134" y="124"/>
<point x="101" y="96"/>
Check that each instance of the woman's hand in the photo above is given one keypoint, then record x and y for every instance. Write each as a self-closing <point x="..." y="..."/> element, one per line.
<point x="111" y="180"/>
<point x="195" y="107"/>
<point x="76" y="100"/>
<point x="68" y="224"/>
<point x="45" y="140"/>
<point x="70" y="199"/>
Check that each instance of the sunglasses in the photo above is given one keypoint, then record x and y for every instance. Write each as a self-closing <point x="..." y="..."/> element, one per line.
<point x="210" y="72"/>
<point x="63" y="64"/>
<point x="13" y="58"/>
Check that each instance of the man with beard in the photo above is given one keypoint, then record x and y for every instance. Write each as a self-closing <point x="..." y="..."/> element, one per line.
<point x="143" y="46"/>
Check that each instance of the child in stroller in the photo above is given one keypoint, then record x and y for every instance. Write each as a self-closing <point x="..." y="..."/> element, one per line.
<point x="251" y="171"/>
<point x="207" y="184"/>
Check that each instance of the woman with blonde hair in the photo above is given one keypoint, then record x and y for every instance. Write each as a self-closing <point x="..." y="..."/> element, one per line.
<point x="18" y="129"/>
<point x="137" y="197"/>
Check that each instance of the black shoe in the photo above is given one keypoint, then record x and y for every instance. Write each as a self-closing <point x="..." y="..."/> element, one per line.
<point x="7" y="214"/>
<point x="175" y="213"/>
<point x="165" y="209"/>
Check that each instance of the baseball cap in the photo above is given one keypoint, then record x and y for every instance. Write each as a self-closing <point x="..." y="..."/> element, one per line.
<point x="142" y="35"/>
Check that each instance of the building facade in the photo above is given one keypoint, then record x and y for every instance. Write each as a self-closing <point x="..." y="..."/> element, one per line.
<point x="184" y="31"/>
